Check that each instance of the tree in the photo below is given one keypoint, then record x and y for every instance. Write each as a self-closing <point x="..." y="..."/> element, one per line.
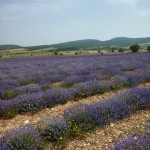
<point x="148" y="48"/>
<point x="1" y="55"/>
<point x="55" y="53"/>
<point x="99" y="51"/>
<point x="120" y="50"/>
<point x="76" y="53"/>
<point x="61" y="54"/>
<point x="135" y="48"/>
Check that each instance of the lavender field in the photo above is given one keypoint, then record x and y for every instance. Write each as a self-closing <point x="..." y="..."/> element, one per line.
<point x="29" y="85"/>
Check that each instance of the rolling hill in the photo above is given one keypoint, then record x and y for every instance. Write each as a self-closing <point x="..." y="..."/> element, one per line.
<point x="80" y="43"/>
<point x="86" y="43"/>
<point x="119" y="41"/>
<point x="10" y="46"/>
<point x="123" y="41"/>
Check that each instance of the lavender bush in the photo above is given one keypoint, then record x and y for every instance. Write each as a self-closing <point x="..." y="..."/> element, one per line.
<point x="134" y="79"/>
<point x="58" y="96"/>
<point x="104" y="112"/>
<point x="33" y="102"/>
<point x="30" y="102"/>
<point x="53" y="128"/>
<point x="136" y="98"/>
<point x="76" y="79"/>
<point x="25" y="138"/>
<point x="118" y="81"/>
<point x="30" y="88"/>
<point x="139" y="142"/>
<point x="91" y="87"/>
<point x="8" y="109"/>
<point x="85" y="73"/>
<point x="146" y="76"/>
<point x="78" y="118"/>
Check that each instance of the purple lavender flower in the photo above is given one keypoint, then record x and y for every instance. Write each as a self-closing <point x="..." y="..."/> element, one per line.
<point x="91" y="87"/>
<point x="72" y="112"/>
<point x="111" y="71"/>
<point x="69" y="81"/>
<point x="25" y="137"/>
<point x="48" y="79"/>
<point x="10" y="83"/>
<point x="79" y="116"/>
<point x="138" y="142"/>
<point x="118" y="81"/>
<point x="7" y="106"/>
<point x="53" y="128"/>
<point x="30" y="88"/>
<point x="126" y="67"/>
<point x="58" y="96"/>
<point x="136" y="98"/>
<point x="134" y="79"/>
<point x="104" y="112"/>
<point x="45" y="71"/>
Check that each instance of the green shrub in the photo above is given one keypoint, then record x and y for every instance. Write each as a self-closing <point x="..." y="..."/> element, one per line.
<point x="148" y="48"/>
<point x="9" y="94"/>
<point x="120" y="50"/>
<point x="135" y="48"/>
<point x="10" y="113"/>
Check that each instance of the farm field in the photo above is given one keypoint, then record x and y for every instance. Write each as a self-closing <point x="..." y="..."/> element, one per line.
<point x="22" y="52"/>
<point x="74" y="102"/>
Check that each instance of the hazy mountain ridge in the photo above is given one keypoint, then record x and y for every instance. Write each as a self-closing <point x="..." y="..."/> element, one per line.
<point x="86" y="43"/>
<point x="119" y="41"/>
<point x="9" y="46"/>
<point x="124" y="41"/>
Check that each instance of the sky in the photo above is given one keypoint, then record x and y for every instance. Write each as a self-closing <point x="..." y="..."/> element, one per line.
<point x="40" y="22"/>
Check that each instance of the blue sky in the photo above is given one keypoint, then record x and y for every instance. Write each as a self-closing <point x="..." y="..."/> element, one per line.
<point x="36" y="22"/>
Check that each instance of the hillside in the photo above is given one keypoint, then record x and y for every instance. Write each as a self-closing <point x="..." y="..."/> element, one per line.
<point x="10" y="46"/>
<point x="119" y="41"/>
<point x="80" y="43"/>
<point x="85" y="44"/>
<point x="123" y="41"/>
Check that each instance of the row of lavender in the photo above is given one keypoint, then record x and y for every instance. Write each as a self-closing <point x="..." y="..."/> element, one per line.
<point x="29" y="75"/>
<point x="79" y="119"/>
<point x="137" y="99"/>
<point x="134" y="142"/>
<point x="73" y="81"/>
<point x="33" y="102"/>
<point x="84" y="76"/>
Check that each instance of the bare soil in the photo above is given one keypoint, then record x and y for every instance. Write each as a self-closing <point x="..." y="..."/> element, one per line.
<point x="109" y="134"/>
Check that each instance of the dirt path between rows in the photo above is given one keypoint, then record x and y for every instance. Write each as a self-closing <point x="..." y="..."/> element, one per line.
<point x="96" y="140"/>
<point x="102" y="137"/>
<point x="6" y="125"/>
<point x="109" y="134"/>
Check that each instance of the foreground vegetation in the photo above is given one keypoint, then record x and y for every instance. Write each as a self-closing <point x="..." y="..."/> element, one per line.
<point x="80" y="119"/>
<point x="29" y="85"/>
